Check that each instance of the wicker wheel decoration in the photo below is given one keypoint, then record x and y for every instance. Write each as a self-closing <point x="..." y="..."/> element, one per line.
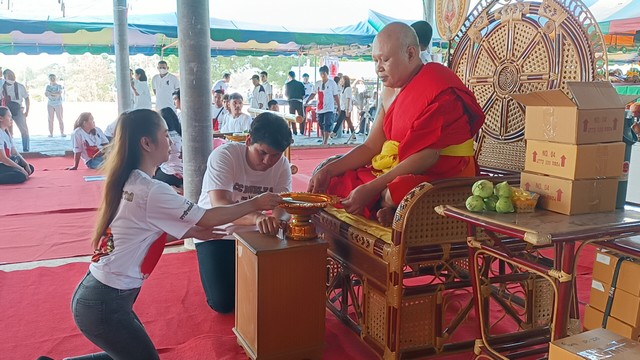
<point x="511" y="46"/>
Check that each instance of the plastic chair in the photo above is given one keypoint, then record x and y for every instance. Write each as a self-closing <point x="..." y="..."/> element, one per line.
<point x="311" y="119"/>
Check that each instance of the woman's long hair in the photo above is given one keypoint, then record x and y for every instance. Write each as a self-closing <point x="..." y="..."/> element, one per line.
<point x="125" y="156"/>
<point x="173" y="123"/>
<point x="81" y="119"/>
<point x="143" y="75"/>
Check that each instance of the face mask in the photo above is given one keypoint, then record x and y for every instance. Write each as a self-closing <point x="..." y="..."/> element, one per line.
<point x="425" y="56"/>
<point x="10" y="82"/>
<point x="163" y="71"/>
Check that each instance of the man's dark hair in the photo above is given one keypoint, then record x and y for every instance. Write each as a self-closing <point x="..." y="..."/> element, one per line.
<point x="292" y="74"/>
<point x="219" y="92"/>
<point x="236" y="96"/>
<point x="176" y="94"/>
<point x="271" y="130"/>
<point x="226" y="75"/>
<point x="424" y="32"/>
<point x="305" y="75"/>
<point x="161" y="62"/>
<point x="271" y="103"/>
<point x="264" y="73"/>
<point x="324" y="69"/>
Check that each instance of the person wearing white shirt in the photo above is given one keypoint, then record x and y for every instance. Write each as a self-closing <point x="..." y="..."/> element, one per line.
<point x="237" y="172"/>
<point x="14" y="169"/>
<point x="164" y="84"/>
<point x="53" y="92"/>
<point x="218" y="110"/>
<point x="424" y="32"/>
<point x="236" y="121"/>
<point x="308" y="87"/>
<point x="222" y="84"/>
<point x="265" y="84"/>
<point x="14" y="94"/>
<point x="346" y="100"/>
<point x="88" y="142"/>
<point x="328" y="102"/>
<point x="259" y="99"/>
<point x="142" y="96"/>
<point x="170" y="171"/>
<point x="138" y="216"/>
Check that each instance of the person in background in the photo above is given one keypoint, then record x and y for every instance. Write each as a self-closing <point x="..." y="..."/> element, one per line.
<point x="635" y="113"/>
<point x="226" y="103"/>
<point x="53" y="92"/>
<point x="222" y="84"/>
<point x="259" y="99"/>
<point x="295" y="92"/>
<point x="164" y="84"/>
<point x="88" y="142"/>
<point x="13" y="94"/>
<point x="218" y="110"/>
<point x="236" y="121"/>
<point x="328" y="102"/>
<point x="238" y="172"/>
<point x="142" y="95"/>
<point x="265" y="83"/>
<point x="308" y="87"/>
<point x="137" y="216"/>
<point x="424" y="32"/>
<point x="273" y="105"/>
<point x="14" y="169"/>
<point x="170" y="171"/>
<point x="177" y="104"/>
<point x="346" y="100"/>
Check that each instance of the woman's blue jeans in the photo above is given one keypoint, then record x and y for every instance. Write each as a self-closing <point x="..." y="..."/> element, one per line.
<point x="105" y="316"/>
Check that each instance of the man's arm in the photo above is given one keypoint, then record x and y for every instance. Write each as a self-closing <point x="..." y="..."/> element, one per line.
<point x="336" y="98"/>
<point x="27" y="105"/>
<point x="265" y="223"/>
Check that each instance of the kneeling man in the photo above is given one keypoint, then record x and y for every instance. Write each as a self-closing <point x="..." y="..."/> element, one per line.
<point x="426" y="134"/>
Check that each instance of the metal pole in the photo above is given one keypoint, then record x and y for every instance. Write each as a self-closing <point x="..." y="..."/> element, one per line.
<point x="429" y="8"/>
<point x="121" y="46"/>
<point x="195" y="79"/>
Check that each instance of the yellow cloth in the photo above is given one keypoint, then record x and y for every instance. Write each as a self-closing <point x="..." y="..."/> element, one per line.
<point x="369" y="226"/>
<point x="464" y="149"/>
<point x="388" y="157"/>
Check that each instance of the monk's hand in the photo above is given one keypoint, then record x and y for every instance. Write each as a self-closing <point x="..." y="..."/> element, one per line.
<point x="359" y="198"/>
<point x="268" y="224"/>
<point x="319" y="181"/>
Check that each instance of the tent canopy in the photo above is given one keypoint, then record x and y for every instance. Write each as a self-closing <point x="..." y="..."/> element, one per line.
<point x="158" y="33"/>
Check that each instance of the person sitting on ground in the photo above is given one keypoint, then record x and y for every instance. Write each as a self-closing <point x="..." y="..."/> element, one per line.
<point x="88" y="142"/>
<point x="138" y="215"/>
<point x="170" y="171"/>
<point x="273" y="105"/>
<point x="236" y="121"/>
<point x="237" y="172"/>
<point x="427" y="132"/>
<point x="14" y="169"/>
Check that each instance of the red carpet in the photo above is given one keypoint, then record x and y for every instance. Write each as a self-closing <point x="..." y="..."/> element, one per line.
<point x="35" y="305"/>
<point x="52" y="215"/>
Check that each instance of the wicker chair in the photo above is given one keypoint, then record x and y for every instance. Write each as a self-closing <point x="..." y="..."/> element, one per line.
<point x="395" y="292"/>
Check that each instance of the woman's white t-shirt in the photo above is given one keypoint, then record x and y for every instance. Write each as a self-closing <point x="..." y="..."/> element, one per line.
<point x="227" y="169"/>
<point x="148" y="209"/>
<point x="173" y="166"/>
<point x="7" y="143"/>
<point x="143" y="99"/>
<point x="346" y="94"/>
<point x="229" y="124"/>
<point x="81" y="139"/>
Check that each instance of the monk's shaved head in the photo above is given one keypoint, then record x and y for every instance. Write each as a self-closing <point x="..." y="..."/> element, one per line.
<point x="396" y="53"/>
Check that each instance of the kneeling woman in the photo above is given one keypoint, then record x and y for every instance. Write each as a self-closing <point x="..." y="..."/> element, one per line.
<point x="88" y="142"/>
<point x="137" y="216"/>
<point x="14" y="169"/>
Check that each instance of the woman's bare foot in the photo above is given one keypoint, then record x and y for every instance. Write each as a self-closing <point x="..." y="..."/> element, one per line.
<point x="385" y="216"/>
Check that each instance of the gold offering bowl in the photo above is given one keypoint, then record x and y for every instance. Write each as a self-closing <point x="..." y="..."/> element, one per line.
<point x="301" y="206"/>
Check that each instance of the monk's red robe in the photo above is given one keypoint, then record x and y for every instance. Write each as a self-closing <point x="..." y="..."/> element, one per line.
<point x="433" y="111"/>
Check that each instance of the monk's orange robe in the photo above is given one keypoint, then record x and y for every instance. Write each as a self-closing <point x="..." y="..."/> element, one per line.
<point x="435" y="110"/>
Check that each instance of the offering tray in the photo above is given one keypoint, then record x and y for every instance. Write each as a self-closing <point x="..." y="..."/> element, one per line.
<point x="237" y="137"/>
<point x="301" y="206"/>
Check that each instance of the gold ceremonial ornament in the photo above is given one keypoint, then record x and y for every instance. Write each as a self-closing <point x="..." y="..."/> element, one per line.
<point x="237" y="137"/>
<point x="450" y="14"/>
<point x="301" y="206"/>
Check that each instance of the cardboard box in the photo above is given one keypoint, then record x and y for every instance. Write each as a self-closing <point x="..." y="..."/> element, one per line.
<point x="595" y="115"/>
<point x="604" y="266"/>
<point x="594" y="344"/>
<point x="572" y="197"/>
<point x="575" y="161"/>
<point x="626" y="308"/>
<point x="599" y="294"/>
<point x="593" y="320"/>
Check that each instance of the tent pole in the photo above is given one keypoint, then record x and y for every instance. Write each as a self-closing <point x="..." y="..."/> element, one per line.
<point x="195" y="77"/>
<point x="121" y="45"/>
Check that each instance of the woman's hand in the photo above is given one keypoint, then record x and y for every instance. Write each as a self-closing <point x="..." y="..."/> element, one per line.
<point x="268" y="224"/>
<point x="27" y="168"/>
<point x="205" y="233"/>
<point x="320" y="180"/>
<point x="266" y="201"/>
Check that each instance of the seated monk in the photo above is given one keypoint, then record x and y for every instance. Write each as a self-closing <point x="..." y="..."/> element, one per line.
<point x="426" y="134"/>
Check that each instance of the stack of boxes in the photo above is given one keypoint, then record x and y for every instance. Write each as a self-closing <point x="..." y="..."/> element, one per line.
<point x="624" y="314"/>
<point x="574" y="152"/>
